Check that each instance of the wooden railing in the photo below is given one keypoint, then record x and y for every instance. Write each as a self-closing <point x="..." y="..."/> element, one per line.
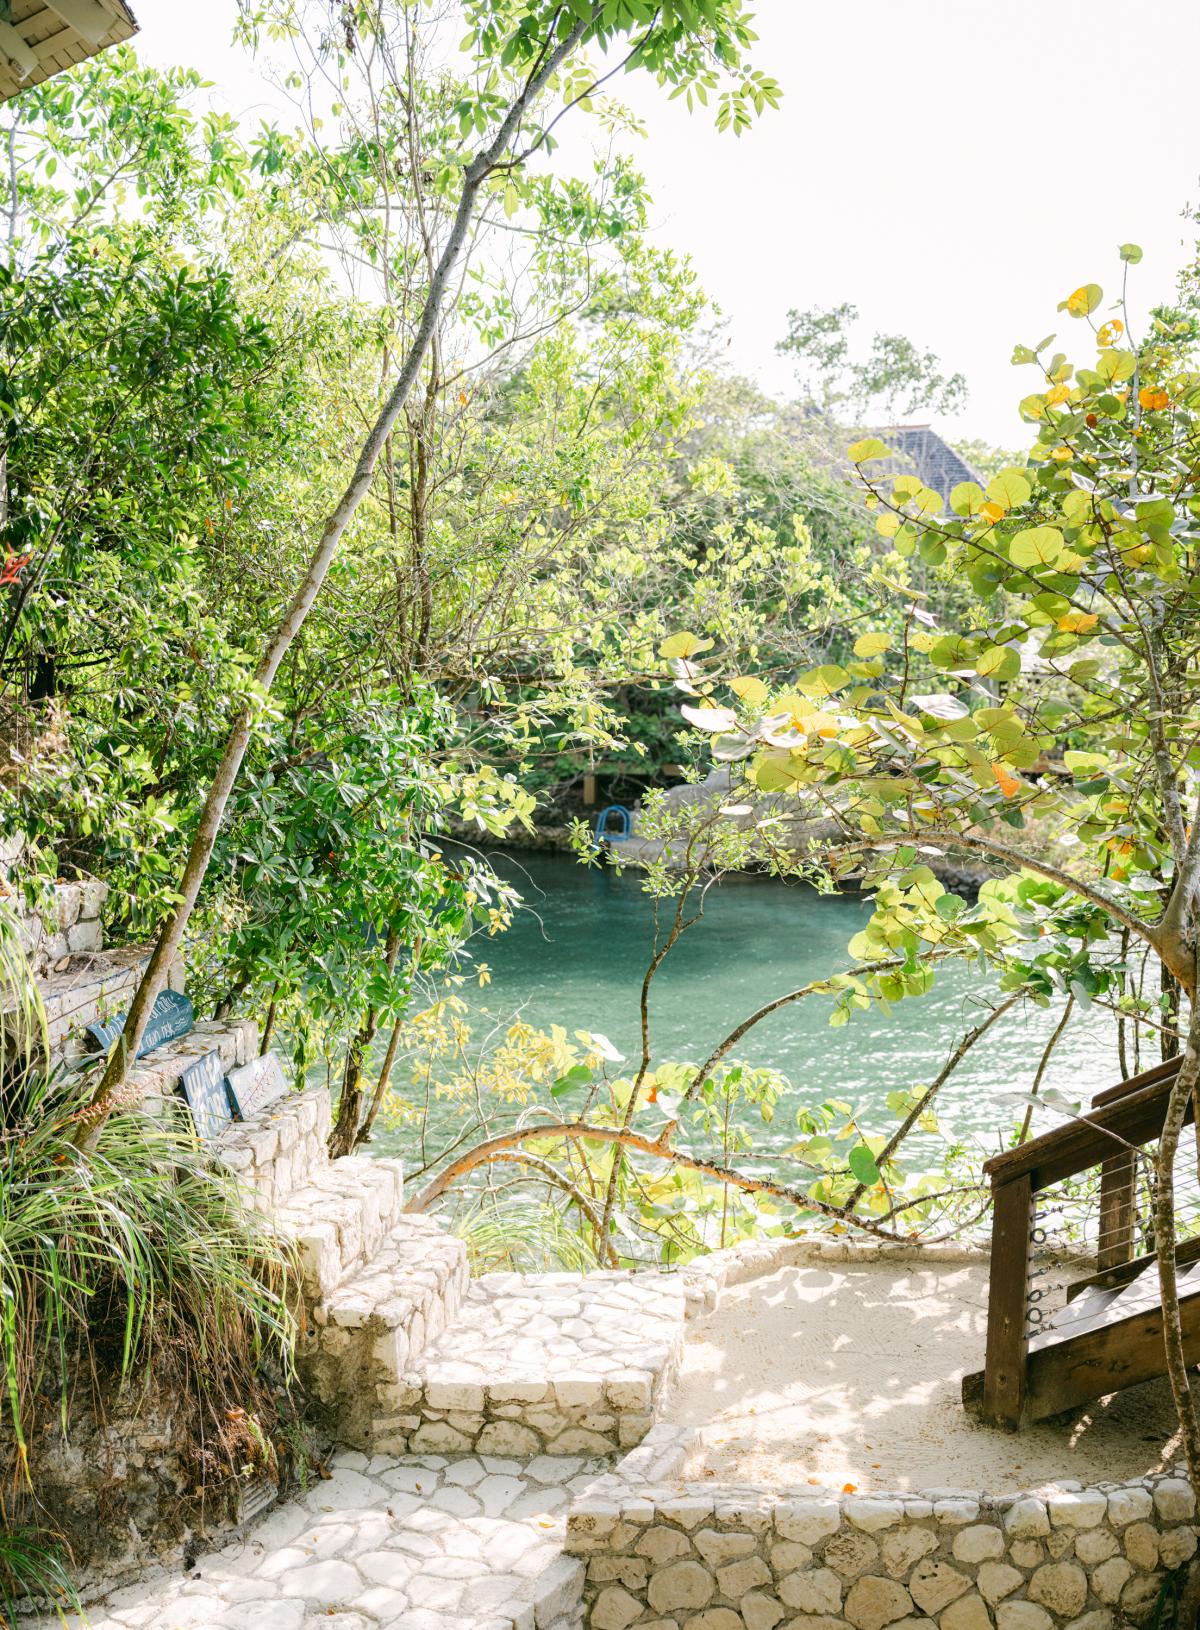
<point x="1120" y="1121"/>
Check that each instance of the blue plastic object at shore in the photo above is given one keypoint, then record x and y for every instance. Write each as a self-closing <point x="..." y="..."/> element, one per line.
<point x="624" y="824"/>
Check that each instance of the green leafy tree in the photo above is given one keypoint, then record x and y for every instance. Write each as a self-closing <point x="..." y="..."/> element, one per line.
<point x="524" y="52"/>
<point x="895" y="376"/>
<point x="1066" y="704"/>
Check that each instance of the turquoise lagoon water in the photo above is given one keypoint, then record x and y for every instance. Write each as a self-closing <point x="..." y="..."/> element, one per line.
<point x="577" y="954"/>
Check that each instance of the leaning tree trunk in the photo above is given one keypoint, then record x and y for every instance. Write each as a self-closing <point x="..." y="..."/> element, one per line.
<point x="112" y="1092"/>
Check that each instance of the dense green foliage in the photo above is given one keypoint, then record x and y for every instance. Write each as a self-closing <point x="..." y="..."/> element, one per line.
<point x="584" y="551"/>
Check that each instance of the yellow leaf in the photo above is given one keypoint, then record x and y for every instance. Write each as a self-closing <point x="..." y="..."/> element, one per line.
<point x="1083" y="300"/>
<point x="860" y="451"/>
<point x="1111" y="332"/>
<point x="1077" y="622"/>
<point x="1057" y="395"/>
<point x="1009" y="784"/>
<point x="820" y="724"/>
<point x="992" y="512"/>
<point x="871" y="645"/>
<point x="798" y="706"/>
<point x="749" y="689"/>
<point x="683" y="645"/>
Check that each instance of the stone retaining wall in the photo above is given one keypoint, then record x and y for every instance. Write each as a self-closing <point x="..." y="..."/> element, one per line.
<point x="667" y="1554"/>
<point x="691" y="1557"/>
<point x="67" y="924"/>
<point x="273" y="1154"/>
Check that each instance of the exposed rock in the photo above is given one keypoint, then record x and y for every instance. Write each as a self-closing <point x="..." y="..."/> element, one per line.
<point x="874" y="1601"/>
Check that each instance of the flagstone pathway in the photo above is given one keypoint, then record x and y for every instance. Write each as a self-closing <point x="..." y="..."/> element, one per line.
<point x="386" y="1543"/>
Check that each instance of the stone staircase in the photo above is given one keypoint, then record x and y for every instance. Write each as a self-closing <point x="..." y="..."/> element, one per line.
<point x="407" y="1355"/>
<point x="403" y="1352"/>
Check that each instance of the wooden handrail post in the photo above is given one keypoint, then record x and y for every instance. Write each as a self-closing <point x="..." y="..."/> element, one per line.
<point x="1007" y="1341"/>
<point x="1115" y="1243"/>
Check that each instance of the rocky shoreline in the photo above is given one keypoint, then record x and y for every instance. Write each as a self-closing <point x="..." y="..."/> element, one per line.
<point x="959" y="874"/>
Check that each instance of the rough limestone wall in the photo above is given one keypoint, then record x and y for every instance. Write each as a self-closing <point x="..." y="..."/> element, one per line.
<point x="275" y="1153"/>
<point x="67" y="925"/>
<point x="691" y="1557"/>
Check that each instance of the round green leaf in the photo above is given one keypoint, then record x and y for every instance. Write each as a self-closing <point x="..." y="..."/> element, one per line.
<point x="871" y="645"/>
<point x="999" y="662"/>
<point x="871" y="447"/>
<point x="1036" y="546"/>
<point x="1010" y="488"/>
<point x="862" y="1164"/>
<point x="966" y="498"/>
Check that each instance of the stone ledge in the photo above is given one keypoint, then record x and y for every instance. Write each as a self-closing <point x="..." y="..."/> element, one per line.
<point x="961" y="1558"/>
<point x="94" y="985"/>
<point x="708" y="1276"/>
<point x="544" y="1364"/>
<point x="276" y="1152"/>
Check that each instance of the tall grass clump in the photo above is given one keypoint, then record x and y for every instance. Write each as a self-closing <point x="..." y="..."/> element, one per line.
<point x="32" y="1569"/>
<point x="131" y="1275"/>
<point x="131" y="1256"/>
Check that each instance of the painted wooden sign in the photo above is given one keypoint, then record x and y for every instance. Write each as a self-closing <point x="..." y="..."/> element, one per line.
<point x="257" y="1084"/>
<point x="203" y="1085"/>
<point x="172" y="1016"/>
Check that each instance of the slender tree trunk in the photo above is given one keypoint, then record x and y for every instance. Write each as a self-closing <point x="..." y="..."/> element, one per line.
<point x="1169" y="992"/>
<point x="347" y="1129"/>
<point x="423" y="437"/>
<point x="1062" y="1024"/>
<point x="660" y="1148"/>
<point x="381" y="1085"/>
<point x="269" y="1024"/>
<point x="112" y="1091"/>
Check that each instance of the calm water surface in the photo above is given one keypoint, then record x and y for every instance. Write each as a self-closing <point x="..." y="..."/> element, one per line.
<point x="577" y="954"/>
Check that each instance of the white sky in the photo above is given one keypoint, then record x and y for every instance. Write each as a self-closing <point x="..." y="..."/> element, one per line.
<point x="953" y="168"/>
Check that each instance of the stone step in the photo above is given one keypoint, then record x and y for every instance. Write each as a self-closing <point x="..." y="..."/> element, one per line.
<point x="92" y="986"/>
<point x="157" y="1074"/>
<point x="556" y="1364"/>
<point x="366" y="1334"/>
<point x="383" y="1544"/>
<point x="276" y="1152"/>
<point x="340" y="1219"/>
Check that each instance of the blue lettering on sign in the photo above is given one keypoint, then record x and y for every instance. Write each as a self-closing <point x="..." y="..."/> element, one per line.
<point x="171" y="1016"/>
<point x="204" y="1087"/>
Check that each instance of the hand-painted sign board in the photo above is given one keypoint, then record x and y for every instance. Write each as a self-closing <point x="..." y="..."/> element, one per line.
<point x="172" y="1016"/>
<point x="204" y="1088"/>
<point x="257" y="1084"/>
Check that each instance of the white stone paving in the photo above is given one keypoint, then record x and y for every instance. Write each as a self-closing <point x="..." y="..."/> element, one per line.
<point x="389" y="1543"/>
<point x="552" y="1363"/>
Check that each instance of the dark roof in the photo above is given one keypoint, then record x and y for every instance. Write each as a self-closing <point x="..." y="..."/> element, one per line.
<point x="923" y="452"/>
